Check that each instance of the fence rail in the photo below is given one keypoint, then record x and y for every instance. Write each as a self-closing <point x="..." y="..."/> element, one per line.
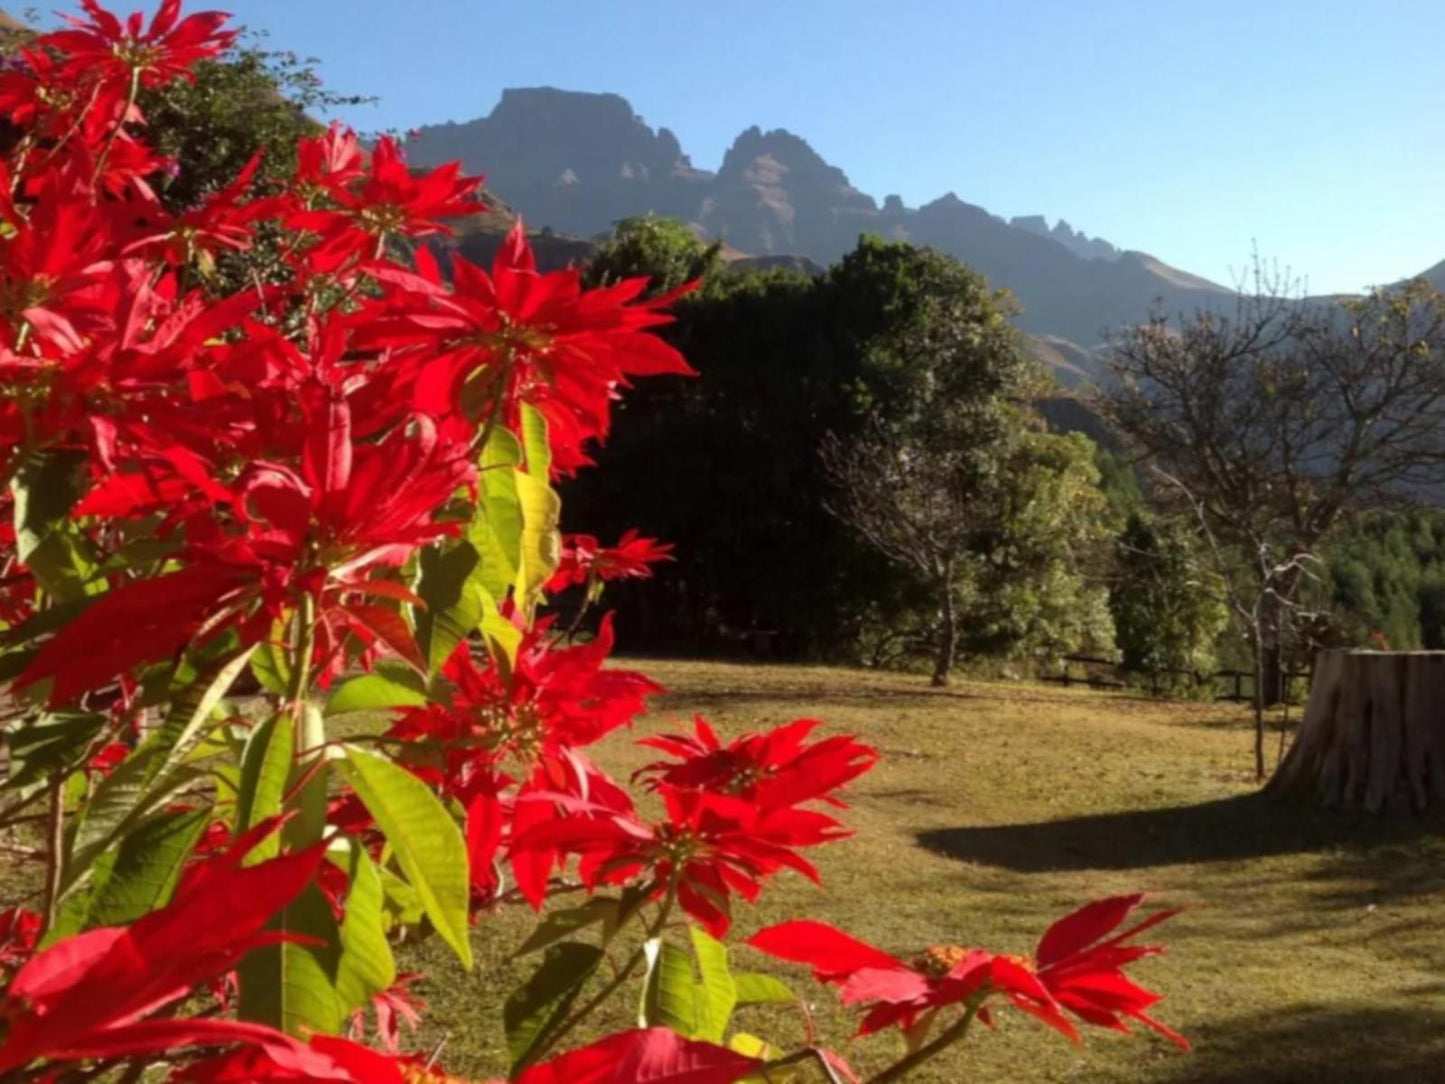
<point x="1115" y="677"/>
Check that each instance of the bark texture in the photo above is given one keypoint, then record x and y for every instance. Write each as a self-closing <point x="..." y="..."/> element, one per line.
<point x="1373" y="733"/>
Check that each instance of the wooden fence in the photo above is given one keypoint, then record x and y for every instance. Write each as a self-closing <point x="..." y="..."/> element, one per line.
<point x="1100" y="673"/>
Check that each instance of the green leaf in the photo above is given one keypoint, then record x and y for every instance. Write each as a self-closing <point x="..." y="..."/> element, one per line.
<point x="503" y="449"/>
<point x="758" y="989"/>
<point x="147" y="867"/>
<point x="149" y="776"/>
<point x="307" y="783"/>
<point x="541" y="543"/>
<point x="389" y="686"/>
<point x="560" y="924"/>
<point x="612" y="912"/>
<point x="190" y="711"/>
<point x="669" y="993"/>
<point x="47" y="540"/>
<point x="51" y="744"/>
<point x="121" y="802"/>
<point x="293" y="986"/>
<point x="455" y="601"/>
<point x="265" y="771"/>
<point x="367" y="966"/>
<point x="502" y="636"/>
<point x="718" y="995"/>
<point x="424" y="838"/>
<point x="496" y="529"/>
<point x="541" y="508"/>
<point x="403" y="905"/>
<point x="534" y="442"/>
<point x="535" y="1009"/>
<point x="751" y="1046"/>
<point x="270" y="664"/>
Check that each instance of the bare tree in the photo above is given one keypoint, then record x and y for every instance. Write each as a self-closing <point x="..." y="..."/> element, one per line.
<point x="1275" y="422"/>
<point x="1006" y="534"/>
<point x="915" y="505"/>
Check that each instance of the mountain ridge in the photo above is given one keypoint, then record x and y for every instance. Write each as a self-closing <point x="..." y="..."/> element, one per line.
<point x="576" y="162"/>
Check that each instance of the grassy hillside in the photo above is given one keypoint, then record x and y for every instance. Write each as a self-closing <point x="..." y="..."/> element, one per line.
<point x="1311" y="947"/>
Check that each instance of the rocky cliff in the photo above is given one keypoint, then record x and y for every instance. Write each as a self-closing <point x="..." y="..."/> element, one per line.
<point x="578" y="162"/>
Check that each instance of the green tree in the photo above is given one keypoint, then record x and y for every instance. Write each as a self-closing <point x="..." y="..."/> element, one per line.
<point x="1120" y="483"/>
<point x="943" y="482"/>
<point x="1383" y="574"/>
<point x="726" y="467"/>
<point x="1167" y="602"/>
<point x="1034" y="584"/>
<point x="664" y="250"/>
<point x="894" y="337"/>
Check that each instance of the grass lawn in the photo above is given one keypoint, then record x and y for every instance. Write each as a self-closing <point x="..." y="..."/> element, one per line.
<point x="1311" y="947"/>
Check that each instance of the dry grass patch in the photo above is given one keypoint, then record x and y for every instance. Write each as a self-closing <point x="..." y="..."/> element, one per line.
<point x="1311" y="948"/>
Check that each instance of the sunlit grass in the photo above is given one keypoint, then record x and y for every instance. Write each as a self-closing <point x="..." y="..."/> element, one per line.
<point x="1311" y="947"/>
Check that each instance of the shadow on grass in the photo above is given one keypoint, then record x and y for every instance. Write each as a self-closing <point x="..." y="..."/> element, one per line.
<point x="1314" y="1045"/>
<point x="1225" y="830"/>
<point x="808" y="699"/>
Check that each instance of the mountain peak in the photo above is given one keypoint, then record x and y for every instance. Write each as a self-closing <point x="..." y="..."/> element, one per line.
<point x="777" y="142"/>
<point x="1076" y="241"/>
<point x="577" y="162"/>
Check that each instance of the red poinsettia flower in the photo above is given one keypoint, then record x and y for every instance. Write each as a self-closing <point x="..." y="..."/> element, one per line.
<point x="52" y="277"/>
<point x="34" y="95"/>
<point x="1077" y="967"/>
<point x="551" y="700"/>
<point x="1083" y="966"/>
<point x="707" y="848"/>
<point x="19" y="934"/>
<point x="88" y="996"/>
<point x="655" y="1055"/>
<point x="390" y="201"/>
<point x="584" y="559"/>
<point x="223" y="221"/>
<point x="324" y="1059"/>
<point x="392" y="1007"/>
<point x="774" y="770"/>
<point x="104" y="48"/>
<point x="328" y="161"/>
<point x="901" y="992"/>
<point x="520" y="336"/>
<point x="351" y="508"/>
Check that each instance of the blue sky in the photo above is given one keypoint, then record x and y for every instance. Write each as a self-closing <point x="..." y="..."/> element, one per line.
<point x="1190" y="130"/>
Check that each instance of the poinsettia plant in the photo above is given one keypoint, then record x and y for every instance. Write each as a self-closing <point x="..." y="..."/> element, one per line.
<point x="276" y="563"/>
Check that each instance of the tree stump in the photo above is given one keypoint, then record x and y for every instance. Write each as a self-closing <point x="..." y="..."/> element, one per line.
<point x="1373" y="732"/>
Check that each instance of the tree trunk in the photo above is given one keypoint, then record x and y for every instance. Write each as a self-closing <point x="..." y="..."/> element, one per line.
<point x="1373" y="732"/>
<point x="948" y="637"/>
<point x="1259" y="701"/>
<point x="1272" y="686"/>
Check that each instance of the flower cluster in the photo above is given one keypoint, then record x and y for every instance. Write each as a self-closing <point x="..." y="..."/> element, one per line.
<point x="275" y="550"/>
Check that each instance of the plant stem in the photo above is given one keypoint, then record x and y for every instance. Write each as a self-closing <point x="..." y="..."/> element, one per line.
<point x="301" y="658"/>
<point x="114" y="132"/>
<point x="581" y="610"/>
<point x="53" y="867"/>
<point x="901" y="1068"/>
<point x="797" y="1057"/>
<point x="613" y="984"/>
